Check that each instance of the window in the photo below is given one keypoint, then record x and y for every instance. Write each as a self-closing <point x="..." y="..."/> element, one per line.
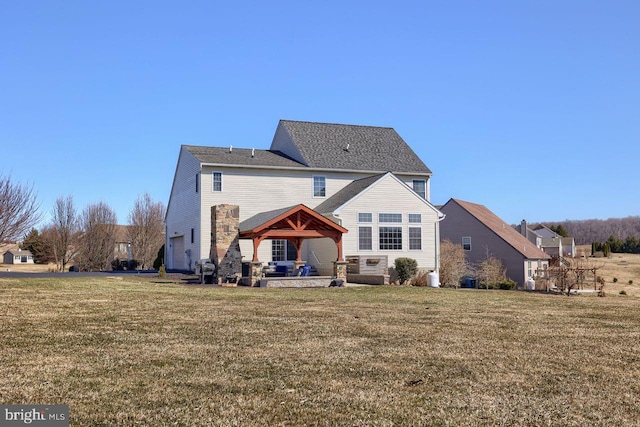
<point x="365" y="217"/>
<point x="192" y="234"/>
<point x="197" y="181"/>
<point x="390" y="238"/>
<point x="283" y="250"/>
<point x="389" y="217"/>
<point x="415" y="218"/>
<point x="319" y="186"/>
<point x="415" y="238"/>
<point x="466" y="243"/>
<point x="217" y="181"/>
<point x="420" y="187"/>
<point x="277" y="250"/>
<point x="365" y="238"/>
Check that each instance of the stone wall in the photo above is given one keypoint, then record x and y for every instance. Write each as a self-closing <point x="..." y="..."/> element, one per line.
<point x="296" y="282"/>
<point x="225" y="241"/>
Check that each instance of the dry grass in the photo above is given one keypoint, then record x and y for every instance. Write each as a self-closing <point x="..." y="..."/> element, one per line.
<point x="624" y="267"/>
<point x="126" y="352"/>
<point x="27" y="268"/>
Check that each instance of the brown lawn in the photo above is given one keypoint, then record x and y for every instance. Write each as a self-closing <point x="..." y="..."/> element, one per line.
<point x="123" y="351"/>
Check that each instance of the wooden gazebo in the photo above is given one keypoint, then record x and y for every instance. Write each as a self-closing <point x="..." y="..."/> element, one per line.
<point x="295" y="224"/>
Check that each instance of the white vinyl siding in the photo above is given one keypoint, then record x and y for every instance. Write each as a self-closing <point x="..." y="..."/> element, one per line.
<point x="394" y="194"/>
<point x="183" y="211"/>
<point x="260" y="190"/>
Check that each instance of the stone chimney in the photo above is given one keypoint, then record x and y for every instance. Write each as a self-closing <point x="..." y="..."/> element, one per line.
<point x="225" y="241"/>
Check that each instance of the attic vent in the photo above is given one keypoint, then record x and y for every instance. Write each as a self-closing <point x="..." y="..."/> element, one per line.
<point x="253" y="152"/>
<point x="230" y="148"/>
<point x="346" y="148"/>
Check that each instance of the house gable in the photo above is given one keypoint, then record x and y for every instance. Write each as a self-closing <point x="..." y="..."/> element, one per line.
<point x="358" y="188"/>
<point x="498" y="227"/>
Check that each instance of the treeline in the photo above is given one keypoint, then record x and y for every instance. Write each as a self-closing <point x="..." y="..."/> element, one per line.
<point x="630" y="245"/>
<point x="620" y="234"/>
<point x="90" y="239"/>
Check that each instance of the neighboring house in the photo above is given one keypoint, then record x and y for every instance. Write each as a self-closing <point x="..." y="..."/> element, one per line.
<point x="122" y="247"/>
<point x="547" y="240"/>
<point x="483" y="234"/>
<point x="365" y="179"/>
<point x="18" y="256"/>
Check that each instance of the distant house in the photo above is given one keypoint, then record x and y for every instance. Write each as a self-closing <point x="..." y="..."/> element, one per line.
<point x="482" y="234"/>
<point x="17" y="256"/>
<point x="122" y="246"/>
<point x="365" y="179"/>
<point x="547" y="240"/>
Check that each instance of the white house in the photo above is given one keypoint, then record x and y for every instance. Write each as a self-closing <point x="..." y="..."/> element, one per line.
<point x="365" y="179"/>
<point x="18" y="256"/>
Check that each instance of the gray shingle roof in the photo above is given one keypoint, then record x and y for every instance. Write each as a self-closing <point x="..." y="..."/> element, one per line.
<point x="346" y="194"/>
<point x="324" y="145"/>
<point x="241" y="156"/>
<point x="261" y="218"/>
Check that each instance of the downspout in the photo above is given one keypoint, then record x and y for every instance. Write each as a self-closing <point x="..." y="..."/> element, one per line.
<point x="437" y="232"/>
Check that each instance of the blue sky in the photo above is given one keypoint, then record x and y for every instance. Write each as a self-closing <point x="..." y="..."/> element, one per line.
<point x="531" y="108"/>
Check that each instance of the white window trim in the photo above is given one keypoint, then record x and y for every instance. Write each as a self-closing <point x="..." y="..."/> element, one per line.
<point x="466" y="237"/>
<point x="409" y="218"/>
<point x="424" y="181"/>
<point x="390" y="213"/>
<point x="409" y="238"/>
<point x="402" y="236"/>
<point x="213" y="182"/>
<point x="362" y="222"/>
<point x="372" y="229"/>
<point x="313" y="186"/>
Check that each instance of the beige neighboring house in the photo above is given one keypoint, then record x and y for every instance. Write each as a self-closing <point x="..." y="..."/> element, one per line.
<point x="547" y="240"/>
<point x="365" y="179"/>
<point x="482" y="234"/>
<point x="18" y="256"/>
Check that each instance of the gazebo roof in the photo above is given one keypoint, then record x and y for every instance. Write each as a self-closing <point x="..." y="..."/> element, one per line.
<point x="294" y="223"/>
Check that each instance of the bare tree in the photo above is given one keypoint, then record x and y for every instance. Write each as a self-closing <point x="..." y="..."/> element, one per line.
<point x="97" y="238"/>
<point x="453" y="264"/>
<point x="146" y="229"/>
<point x="64" y="226"/>
<point x="491" y="272"/>
<point x="18" y="209"/>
